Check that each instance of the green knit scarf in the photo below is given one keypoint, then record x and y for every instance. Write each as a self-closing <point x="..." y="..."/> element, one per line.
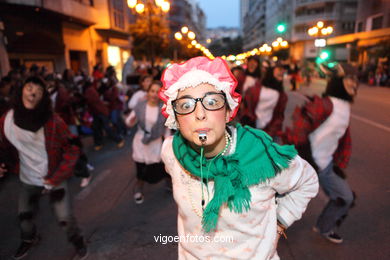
<point x="255" y="160"/>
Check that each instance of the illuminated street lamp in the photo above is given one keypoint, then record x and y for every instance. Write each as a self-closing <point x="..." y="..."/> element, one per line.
<point x="140" y="8"/>
<point x="284" y="44"/>
<point x="131" y="3"/>
<point x="147" y="10"/>
<point x="159" y="2"/>
<point x="166" y="6"/>
<point x="191" y="35"/>
<point x="279" y="42"/>
<point x="320" y="30"/>
<point x="178" y="36"/>
<point x="184" y="29"/>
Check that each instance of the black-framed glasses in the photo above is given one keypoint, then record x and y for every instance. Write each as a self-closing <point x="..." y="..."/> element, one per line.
<point x="210" y="101"/>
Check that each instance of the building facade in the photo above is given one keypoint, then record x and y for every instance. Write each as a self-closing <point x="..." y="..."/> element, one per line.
<point x="254" y="30"/>
<point x="340" y="14"/>
<point x="278" y="12"/>
<point x="372" y="32"/>
<point x="263" y="16"/>
<point x="61" y="34"/>
<point x="187" y="13"/>
<point x="372" y="15"/>
<point x="244" y="8"/>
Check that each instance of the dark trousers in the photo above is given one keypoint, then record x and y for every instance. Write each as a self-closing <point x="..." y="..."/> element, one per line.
<point x="340" y="199"/>
<point x="293" y="82"/>
<point x="117" y="121"/>
<point x="100" y="123"/>
<point x="60" y="201"/>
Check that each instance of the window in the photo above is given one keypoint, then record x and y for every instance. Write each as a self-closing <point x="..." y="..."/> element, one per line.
<point x="117" y="14"/>
<point x="348" y="26"/>
<point x="377" y="22"/>
<point x="85" y="2"/>
<point x="360" y="27"/>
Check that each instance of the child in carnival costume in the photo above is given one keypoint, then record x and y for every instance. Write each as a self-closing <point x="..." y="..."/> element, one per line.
<point x="321" y="134"/>
<point x="265" y="103"/>
<point x="226" y="177"/>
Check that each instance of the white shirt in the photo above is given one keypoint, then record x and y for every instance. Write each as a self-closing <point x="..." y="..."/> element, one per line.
<point x="31" y="149"/>
<point x="147" y="153"/>
<point x="139" y="95"/>
<point x="253" y="232"/>
<point x="53" y="98"/>
<point x="249" y="82"/>
<point x="265" y="107"/>
<point x="324" y="140"/>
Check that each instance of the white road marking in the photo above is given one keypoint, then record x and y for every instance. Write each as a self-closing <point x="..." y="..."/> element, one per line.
<point x="372" y="123"/>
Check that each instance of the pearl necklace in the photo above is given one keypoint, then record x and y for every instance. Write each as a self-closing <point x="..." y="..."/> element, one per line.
<point x="228" y="140"/>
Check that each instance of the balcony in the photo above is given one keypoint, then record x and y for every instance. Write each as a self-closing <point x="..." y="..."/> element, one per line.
<point x="76" y="11"/>
<point x="311" y="3"/>
<point x="314" y="18"/>
<point x="300" y="37"/>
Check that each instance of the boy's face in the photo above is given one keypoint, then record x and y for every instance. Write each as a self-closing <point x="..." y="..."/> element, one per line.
<point x="252" y="65"/>
<point x="146" y="83"/>
<point x="213" y="123"/>
<point x="31" y="95"/>
<point x="351" y="85"/>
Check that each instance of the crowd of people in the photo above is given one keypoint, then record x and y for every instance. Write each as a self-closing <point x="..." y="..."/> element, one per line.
<point x="233" y="167"/>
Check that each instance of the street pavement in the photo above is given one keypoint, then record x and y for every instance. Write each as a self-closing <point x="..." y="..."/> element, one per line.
<point x="118" y="229"/>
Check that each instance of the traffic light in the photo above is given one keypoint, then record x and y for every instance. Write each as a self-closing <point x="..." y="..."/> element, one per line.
<point x="324" y="56"/>
<point x="281" y="28"/>
<point x="331" y="64"/>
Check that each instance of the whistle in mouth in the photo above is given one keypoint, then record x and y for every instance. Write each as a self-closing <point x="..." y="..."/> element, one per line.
<point x="203" y="137"/>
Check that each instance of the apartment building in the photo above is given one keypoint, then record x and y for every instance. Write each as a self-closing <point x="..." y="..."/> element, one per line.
<point x="61" y="34"/>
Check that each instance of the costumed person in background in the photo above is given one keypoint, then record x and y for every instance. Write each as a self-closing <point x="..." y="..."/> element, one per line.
<point x="139" y="95"/>
<point x="112" y="96"/>
<point x="294" y="75"/>
<point x="128" y="69"/>
<point x="36" y="144"/>
<point x="264" y="105"/>
<point x="251" y="77"/>
<point x="148" y="140"/>
<point x="100" y="113"/>
<point x="226" y="177"/>
<point x="62" y="103"/>
<point x="321" y="134"/>
<point x="144" y="82"/>
<point x="238" y="72"/>
<point x="265" y="65"/>
<point x="68" y="80"/>
<point x="97" y="72"/>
